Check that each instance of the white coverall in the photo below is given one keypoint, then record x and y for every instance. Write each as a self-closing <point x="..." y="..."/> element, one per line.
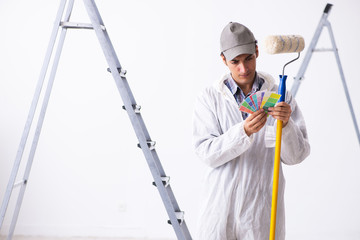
<point x="236" y="199"/>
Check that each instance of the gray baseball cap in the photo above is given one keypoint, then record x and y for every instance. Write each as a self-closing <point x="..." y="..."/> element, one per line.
<point x="236" y="39"/>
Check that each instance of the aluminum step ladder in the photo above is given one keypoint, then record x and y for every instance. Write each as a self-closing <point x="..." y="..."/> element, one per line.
<point x="161" y="180"/>
<point x="312" y="48"/>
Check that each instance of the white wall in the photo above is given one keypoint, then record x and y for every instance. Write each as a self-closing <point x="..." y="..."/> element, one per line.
<point x="90" y="179"/>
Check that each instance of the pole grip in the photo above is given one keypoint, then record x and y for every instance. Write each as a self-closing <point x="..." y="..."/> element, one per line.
<point x="282" y="87"/>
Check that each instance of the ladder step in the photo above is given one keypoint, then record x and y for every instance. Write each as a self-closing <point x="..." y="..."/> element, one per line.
<point x="20" y="183"/>
<point x="120" y="70"/>
<point x="78" y="25"/>
<point x="151" y="144"/>
<point x="165" y="181"/>
<point x="179" y="216"/>
<point x="135" y="107"/>
<point x="323" y="50"/>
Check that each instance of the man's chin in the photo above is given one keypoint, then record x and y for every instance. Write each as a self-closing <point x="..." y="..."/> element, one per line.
<point x="246" y="78"/>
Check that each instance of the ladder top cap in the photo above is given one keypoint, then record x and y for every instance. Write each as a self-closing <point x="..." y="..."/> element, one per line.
<point x="328" y="8"/>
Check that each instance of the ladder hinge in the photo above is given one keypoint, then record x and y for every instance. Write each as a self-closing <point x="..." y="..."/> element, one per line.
<point x="150" y="144"/>
<point x="135" y="107"/>
<point x="165" y="181"/>
<point x="179" y="216"/>
<point x="121" y="71"/>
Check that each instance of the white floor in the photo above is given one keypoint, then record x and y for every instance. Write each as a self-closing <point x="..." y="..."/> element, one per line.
<point x="73" y="238"/>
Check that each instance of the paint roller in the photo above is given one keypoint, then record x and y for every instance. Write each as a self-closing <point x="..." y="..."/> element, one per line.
<point x="274" y="45"/>
<point x="284" y="44"/>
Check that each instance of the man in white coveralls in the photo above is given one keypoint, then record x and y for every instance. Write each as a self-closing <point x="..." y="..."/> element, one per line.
<point x="238" y="149"/>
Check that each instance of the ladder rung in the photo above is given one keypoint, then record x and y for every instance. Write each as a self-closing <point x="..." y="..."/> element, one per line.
<point x="165" y="181"/>
<point x="135" y="107"/>
<point x="20" y="183"/>
<point x="179" y="216"/>
<point x="78" y="25"/>
<point x="151" y="144"/>
<point x="120" y="70"/>
<point x="323" y="50"/>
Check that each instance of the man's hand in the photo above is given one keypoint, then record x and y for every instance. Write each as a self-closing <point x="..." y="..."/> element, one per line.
<point x="255" y="122"/>
<point x="281" y="111"/>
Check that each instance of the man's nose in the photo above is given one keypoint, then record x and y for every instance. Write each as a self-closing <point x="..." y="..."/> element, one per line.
<point x="242" y="67"/>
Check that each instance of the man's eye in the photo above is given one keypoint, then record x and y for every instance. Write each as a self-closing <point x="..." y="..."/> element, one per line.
<point x="235" y="62"/>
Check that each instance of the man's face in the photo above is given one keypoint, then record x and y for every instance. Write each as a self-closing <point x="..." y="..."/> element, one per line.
<point x="243" y="68"/>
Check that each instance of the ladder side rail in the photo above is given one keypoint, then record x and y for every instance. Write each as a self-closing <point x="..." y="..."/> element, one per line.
<point x="309" y="52"/>
<point x="114" y="64"/>
<point x="159" y="183"/>
<point x="31" y="113"/>
<point x="167" y="196"/>
<point x="39" y="123"/>
<point x="121" y="81"/>
<point x="335" y="50"/>
<point x="136" y="119"/>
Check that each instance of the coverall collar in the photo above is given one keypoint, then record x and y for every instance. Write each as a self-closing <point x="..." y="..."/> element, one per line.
<point x="222" y="88"/>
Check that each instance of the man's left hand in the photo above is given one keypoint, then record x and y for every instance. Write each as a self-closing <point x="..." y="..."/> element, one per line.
<point x="281" y="111"/>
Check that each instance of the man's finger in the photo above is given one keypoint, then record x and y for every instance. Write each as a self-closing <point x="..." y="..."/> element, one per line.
<point x="257" y="113"/>
<point x="260" y="120"/>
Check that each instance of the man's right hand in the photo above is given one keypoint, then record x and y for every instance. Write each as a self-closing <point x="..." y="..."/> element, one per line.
<point x="255" y="122"/>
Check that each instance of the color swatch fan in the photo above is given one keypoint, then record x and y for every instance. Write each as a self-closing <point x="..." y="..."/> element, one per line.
<point x="258" y="100"/>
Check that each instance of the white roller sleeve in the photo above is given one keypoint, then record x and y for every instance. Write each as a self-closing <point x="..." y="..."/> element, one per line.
<point x="284" y="44"/>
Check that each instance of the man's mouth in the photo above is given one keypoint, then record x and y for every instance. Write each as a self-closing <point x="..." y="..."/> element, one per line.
<point x="244" y="75"/>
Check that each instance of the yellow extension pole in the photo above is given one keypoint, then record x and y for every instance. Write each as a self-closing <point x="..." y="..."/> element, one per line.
<point x="275" y="179"/>
<point x="279" y="126"/>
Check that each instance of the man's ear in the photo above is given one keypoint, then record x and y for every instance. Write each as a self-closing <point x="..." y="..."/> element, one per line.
<point x="257" y="51"/>
<point x="223" y="58"/>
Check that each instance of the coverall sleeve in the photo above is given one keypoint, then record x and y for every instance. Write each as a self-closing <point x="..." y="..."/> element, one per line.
<point x="295" y="145"/>
<point x="213" y="146"/>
